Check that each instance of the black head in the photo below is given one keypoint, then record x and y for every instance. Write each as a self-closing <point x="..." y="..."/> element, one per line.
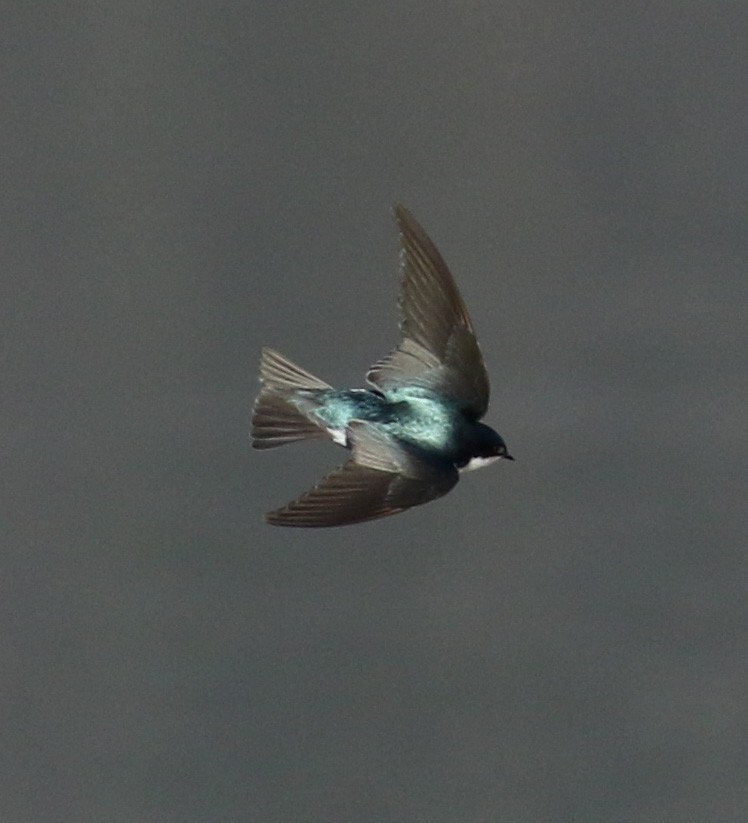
<point x="487" y="443"/>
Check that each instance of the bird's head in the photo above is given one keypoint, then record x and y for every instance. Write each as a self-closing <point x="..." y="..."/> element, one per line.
<point x="487" y="447"/>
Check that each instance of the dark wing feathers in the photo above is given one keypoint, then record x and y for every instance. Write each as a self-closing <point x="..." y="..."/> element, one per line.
<point x="380" y="479"/>
<point x="438" y="350"/>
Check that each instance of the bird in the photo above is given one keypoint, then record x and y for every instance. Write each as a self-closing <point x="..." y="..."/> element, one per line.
<point x="416" y="427"/>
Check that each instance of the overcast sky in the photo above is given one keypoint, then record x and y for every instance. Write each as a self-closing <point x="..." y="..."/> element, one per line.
<point x="563" y="638"/>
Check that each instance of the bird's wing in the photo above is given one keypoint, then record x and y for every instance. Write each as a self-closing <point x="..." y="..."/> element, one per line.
<point x="438" y="350"/>
<point x="382" y="478"/>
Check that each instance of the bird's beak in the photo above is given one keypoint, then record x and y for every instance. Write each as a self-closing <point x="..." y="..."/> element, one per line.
<point x="508" y="457"/>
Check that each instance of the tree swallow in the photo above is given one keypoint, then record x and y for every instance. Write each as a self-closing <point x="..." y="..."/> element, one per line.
<point x="417" y="427"/>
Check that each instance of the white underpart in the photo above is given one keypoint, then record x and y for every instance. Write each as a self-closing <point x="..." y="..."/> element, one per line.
<point x="479" y="463"/>
<point x="339" y="436"/>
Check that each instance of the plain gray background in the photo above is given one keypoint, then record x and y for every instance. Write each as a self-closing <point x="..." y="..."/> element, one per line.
<point x="559" y="639"/>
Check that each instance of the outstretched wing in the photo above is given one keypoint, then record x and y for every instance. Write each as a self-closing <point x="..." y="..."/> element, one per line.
<point x="381" y="479"/>
<point x="438" y="350"/>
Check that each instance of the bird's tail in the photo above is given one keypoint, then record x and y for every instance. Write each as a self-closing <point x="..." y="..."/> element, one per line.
<point x="286" y="394"/>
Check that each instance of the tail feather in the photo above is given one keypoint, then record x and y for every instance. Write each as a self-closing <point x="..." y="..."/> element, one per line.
<point x="276" y="421"/>
<point x="276" y="418"/>
<point x="278" y="372"/>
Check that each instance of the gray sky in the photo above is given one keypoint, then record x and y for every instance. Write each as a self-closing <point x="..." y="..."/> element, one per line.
<point x="562" y="638"/>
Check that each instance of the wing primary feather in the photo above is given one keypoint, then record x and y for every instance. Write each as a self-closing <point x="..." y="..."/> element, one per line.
<point x="381" y="479"/>
<point x="438" y="350"/>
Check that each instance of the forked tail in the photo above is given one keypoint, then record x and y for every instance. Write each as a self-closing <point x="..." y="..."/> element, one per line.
<point x="279" y="411"/>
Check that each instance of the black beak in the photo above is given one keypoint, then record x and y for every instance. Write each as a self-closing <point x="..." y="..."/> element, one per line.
<point x="508" y="457"/>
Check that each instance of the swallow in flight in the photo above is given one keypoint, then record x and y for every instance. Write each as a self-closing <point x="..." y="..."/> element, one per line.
<point x="414" y="430"/>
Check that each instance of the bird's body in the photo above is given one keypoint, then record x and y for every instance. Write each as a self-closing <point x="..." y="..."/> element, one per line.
<point x="416" y="417"/>
<point x="414" y="431"/>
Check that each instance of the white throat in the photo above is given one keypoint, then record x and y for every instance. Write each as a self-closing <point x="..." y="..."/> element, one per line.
<point x="479" y="463"/>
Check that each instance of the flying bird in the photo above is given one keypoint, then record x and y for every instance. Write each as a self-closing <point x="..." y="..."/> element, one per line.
<point x="414" y="430"/>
